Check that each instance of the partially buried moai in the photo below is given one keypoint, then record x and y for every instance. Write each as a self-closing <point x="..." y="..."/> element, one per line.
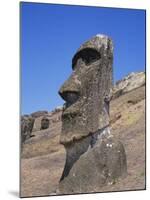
<point x="93" y="157"/>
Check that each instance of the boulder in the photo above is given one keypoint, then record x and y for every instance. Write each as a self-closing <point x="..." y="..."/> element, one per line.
<point x="27" y="123"/>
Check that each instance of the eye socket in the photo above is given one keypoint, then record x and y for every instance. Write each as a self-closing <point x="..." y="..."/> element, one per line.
<point x="87" y="55"/>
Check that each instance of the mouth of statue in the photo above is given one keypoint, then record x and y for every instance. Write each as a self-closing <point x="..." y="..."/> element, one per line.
<point x="72" y="109"/>
<point x="69" y="113"/>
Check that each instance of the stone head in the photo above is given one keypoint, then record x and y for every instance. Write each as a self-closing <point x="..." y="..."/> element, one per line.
<point x="87" y="90"/>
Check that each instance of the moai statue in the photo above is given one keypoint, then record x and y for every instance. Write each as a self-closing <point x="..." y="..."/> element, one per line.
<point x="93" y="157"/>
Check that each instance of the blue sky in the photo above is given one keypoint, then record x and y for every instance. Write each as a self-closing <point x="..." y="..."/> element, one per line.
<point x="50" y="35"/>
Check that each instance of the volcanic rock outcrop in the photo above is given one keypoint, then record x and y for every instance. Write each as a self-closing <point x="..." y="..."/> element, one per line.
<point x="27" y="123"/>
<point x="128" y="83"/>
<point x="93" y="156"/>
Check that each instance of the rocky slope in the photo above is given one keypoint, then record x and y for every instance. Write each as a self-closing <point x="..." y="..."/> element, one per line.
<point x="43" y="158"/>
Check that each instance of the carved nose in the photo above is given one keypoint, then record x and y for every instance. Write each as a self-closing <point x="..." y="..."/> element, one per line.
<point x="69" y="96"/>
<point x="70" y="90"/>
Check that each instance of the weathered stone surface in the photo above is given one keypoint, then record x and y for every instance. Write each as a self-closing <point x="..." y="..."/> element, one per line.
<point x="39" y="113"/>
<point x="128" y="83"/>
<point x="101" y="164"/>
<point x="26" y="127"/>
<point x="44" y="123"/>
<point x="41" y="120"/>
<point x="37" y="124"/>
<point x="86" y="89"/>
<point x="92" y="158"/>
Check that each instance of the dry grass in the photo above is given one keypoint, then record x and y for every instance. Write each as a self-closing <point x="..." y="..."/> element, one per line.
<point x="41" y="147"/>
<point x="40" y="175"/>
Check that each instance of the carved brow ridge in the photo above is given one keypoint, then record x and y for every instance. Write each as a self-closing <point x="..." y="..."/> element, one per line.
<point x="87" y="55"/>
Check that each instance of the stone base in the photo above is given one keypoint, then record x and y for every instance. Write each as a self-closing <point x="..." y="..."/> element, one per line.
<point x="102" y="164"/>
